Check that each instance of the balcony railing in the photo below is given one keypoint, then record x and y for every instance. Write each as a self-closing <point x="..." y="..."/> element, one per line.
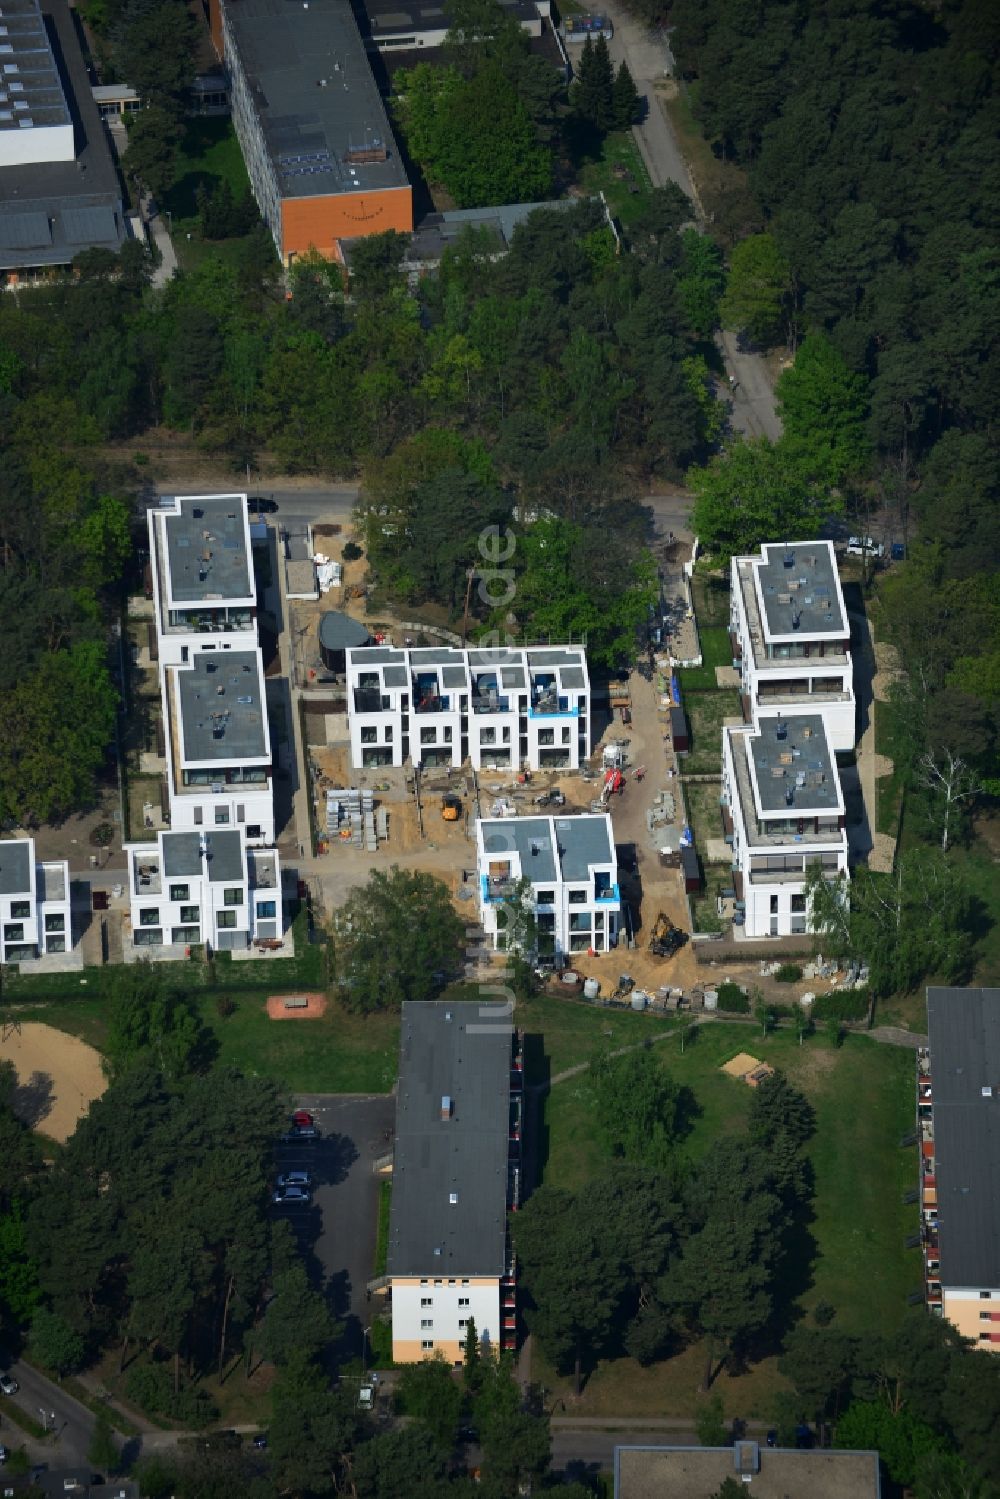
<point x="496" y="890"/>
<point x="547" y="707"/>
<point x="491" y="704"/>
<point x="606" y="895"/>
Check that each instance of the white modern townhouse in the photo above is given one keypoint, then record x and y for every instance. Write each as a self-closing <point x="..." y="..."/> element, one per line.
<point x="34" y="903"/>
<point x="500" y="710"/>
<point x="572" y="869"/>
<point x="791" y="637"/>
<point x="783" y="810"/>
<point x="204" y="594"/>
<point x="188" y="887"/>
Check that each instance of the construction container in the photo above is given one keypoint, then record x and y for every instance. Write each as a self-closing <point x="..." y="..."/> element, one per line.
<point x="640" y="999"/>
<point x="591" y="988"/>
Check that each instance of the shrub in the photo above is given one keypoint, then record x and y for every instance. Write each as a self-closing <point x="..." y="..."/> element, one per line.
<point x="150" y="1387"/>
<point x="352" y="551"/>
<point x="225" y="1004"/>
<point x="788" y="973"/>
<point x="823" y="1313"/>
<point x="193" y="1407"/>
<point x="102" y="835"/>
<point x="732" y="998"/>
<point x="845" y="1004"/>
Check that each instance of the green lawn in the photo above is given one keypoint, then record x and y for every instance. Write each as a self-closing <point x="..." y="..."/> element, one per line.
<point x="627" y="195"/>
<point x="710" y="594"/>
<point x="716" y="650"/>
<point x="706" y="712"/>
<point x="338" y="1053"/>
<point x="209" y="155"/>
<point x="562" y="1033"/>
<point x="701" y="798"/>
<point x="863" y="1096"/>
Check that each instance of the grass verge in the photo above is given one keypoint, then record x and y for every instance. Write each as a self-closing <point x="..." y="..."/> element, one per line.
<point x="94" y="1403"/>
<point x="706" y="713"/>
<point x="382" y="1232"/>
<point x="716" y="650"/>
<point x="12" y="1412"/>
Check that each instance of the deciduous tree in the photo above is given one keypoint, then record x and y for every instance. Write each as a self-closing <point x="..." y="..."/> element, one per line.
<point x="398" y="938"/>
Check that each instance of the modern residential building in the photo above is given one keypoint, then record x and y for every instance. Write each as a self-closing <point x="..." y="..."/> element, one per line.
<point x="791" y="637"/>
<point x="59" y="189"/>
<point x="204" y="593"/>
<point x="455" y="1174"/>
<point x="763" y="1472"/>
<point x="218" y="744"/>
<point x="318" y="146"/>
<point x="389" y="26"/>
<point x="958" y="1108"/>
<point x="34" y="903"/>
<point x="572" y="868"/>
<point x="783" y="810"/>
<point x="501" y="710"/>
<point x="210" y="887"/>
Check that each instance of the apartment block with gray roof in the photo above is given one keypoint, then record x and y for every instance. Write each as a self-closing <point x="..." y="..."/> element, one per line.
<point x="958" y="1111"/>
<point x="500" y="710"/>
<point x="571" y="870"/>
<point x="35" y="918"/>
<point x="455" y="1173"/>
<point x="203" y="580"/>
<point x="191" y="888"/>
<point x="783" y="810"/>
<point x="791" y="636"/>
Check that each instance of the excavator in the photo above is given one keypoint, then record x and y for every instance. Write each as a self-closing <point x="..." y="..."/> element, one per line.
<point x="665" y="939"/>
<point x="451" y="807"/>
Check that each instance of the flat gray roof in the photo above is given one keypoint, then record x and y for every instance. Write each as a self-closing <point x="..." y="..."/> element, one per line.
<point x="583" y="842"/>
<point x="571" y="676"/>
<point x="51" y="210"/>
<point x="793" y="765"/>
<point x="529" y="837"/>
<point x="964" y="1030"/>
<point x="553" y="658"/>
<point x="222" y="711"/>
<point x="376" y="655"/>
<point x="454" y="676"/>
<point x="181" y="855"/>
<point x="437" y="655"/>
<point x="315" y="96"/>
<point x="462" y="1052"/>
<point x="15" y="866"/>
<point x="777" y="1472"/>
<point x="395" y="676"/>
<point x="547" y="845"/>
<point x="800" y="590"/>
<point x="487" y="660"/>
<point x="225" y="855"/>
<point x="207" y="550"/>
<point x="339" y="632"/>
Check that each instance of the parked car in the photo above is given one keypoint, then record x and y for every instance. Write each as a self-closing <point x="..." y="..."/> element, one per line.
<point x="864" y="546"/>
<point x="3" y="1456"/>
<point x="258" y="504"/>
<point x="897" y="551"/>
<point x="300" y="1134"/>
<point x="772" y="1438"/>
<point x="290" y="1196"/>
<point x="302" y="1117"/>
<point x="295" y="1179"/>
<point x="260" y="1440"/>
<point x="8" y="1384"/>
<point x="366" y="1398"/>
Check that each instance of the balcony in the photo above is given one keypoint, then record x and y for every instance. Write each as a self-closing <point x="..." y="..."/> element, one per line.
<point x="549" y="705"/>
<point x="147" y="879"/>
<point x="490" y="703"/>
<point x="498" y="889"/>
<point x="607" y="895"/>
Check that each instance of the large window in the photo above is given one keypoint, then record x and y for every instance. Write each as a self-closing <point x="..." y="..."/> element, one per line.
<point x="20" y="910"/>
<point x="190" y="915"/>
<point x="368" y="734"/>
<point x="266" y="909"/>
<point x="55" y="923"/>
<point x="148" y="936"/>
<point x="221" y="816"/>
<point x="149" y="916"/>
<point x="233" y="895"/>
<point x="185" y="934"/>
<point x="428" y="736"/>
<point x="226" y="918"/>
<point x="180" y="892"/>
<point x="14" y="932"/>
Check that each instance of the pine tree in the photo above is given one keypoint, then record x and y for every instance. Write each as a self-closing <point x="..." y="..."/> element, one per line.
<point x="471" y="1357"/>
<point x="594" y="84"/>
<point x="624" y="99"/>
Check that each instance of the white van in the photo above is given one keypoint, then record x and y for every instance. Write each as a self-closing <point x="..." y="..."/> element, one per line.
<point x="864" y="546"/>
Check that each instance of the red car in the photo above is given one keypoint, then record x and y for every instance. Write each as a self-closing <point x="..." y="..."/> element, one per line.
<point x="302" y="1117"/>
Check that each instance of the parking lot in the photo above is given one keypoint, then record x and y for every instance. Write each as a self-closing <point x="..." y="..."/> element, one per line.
<point x="337" y="1229"/>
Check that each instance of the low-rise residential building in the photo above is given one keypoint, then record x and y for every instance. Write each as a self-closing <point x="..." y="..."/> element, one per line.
<point x="218" y="744"/>
<point x="500" y="710"/>
<point x="390" y="26"/>
<point x="783" y="810"/>
<point x="209" y="887"/>
<point x="958" y="1109"/>
<point x="656" y="1472"/>
<point x="791" y="637"/>
<point x="35" y="918"/>
<point x="204" y="593"/>
<point x="571" y="868"/>
<point x="455" y="1174"/>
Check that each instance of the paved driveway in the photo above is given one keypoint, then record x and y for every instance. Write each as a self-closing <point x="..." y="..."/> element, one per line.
<point x="337" y="1232"/>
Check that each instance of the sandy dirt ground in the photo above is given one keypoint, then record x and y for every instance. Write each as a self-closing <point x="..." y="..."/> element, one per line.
<point x="314" y="1007"/>
<point x="58" y="1077"/>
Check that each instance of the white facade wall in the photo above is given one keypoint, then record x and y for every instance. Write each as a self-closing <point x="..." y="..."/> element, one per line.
<point x="536" y="723"/>
<point x="773" y="907"/>
<point x="436" y="1312"/>
<point x="32" y="926"/>
<point x="568" y="910"/>
<point x="187" y="908"/>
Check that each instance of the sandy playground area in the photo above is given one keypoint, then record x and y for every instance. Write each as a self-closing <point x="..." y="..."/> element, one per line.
<point x="58" y="1077"/>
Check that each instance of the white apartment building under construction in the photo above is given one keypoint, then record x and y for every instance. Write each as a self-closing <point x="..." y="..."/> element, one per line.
<point x="498" y="709"/>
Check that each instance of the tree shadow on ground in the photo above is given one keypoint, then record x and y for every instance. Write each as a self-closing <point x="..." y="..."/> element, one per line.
<point x="32" y="1101"/>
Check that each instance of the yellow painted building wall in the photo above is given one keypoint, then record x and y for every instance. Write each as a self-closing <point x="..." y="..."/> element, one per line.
<point x="976" y="1317"/>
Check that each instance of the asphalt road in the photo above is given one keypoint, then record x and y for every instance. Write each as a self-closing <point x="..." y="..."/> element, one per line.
<point x="73" y="1425"/>
<point x="337" y="1232"/>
